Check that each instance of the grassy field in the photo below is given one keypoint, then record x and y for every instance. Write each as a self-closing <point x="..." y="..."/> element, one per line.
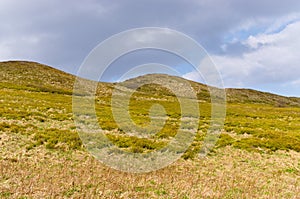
<point x="41" y="156"/>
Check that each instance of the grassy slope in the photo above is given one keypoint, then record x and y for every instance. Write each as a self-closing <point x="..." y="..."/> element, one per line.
<point x="36" y="127"/>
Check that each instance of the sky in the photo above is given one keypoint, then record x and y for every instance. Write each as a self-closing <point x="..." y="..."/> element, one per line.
<point x="254" y="44"/>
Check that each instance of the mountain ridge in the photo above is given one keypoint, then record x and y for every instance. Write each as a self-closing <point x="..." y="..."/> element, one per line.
<point x="33" y="76"/>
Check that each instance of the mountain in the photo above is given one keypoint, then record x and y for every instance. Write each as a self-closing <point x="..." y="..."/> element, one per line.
<point x="42" y="155"/>
<point x="34" y="76"/>
<point x="253" y="96"/>
<point x="25" y="75"/>
<point x="232" y="95"/>
<point x="40" y="93"/>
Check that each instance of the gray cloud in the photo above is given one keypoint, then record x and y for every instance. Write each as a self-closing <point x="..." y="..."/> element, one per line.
<point x="62" y="33"/>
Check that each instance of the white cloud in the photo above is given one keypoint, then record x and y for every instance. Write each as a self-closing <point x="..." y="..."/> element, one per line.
<point x="194" y="76"/>
<point x="207" y="73"/>
<point x="274" y="59"/>
<point x="279" y="23"/>
<point x="26" y="46"/>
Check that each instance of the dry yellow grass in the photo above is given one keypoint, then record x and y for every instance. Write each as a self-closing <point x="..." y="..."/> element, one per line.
<point x="227" y="173"/>
<point x="36" y="112"/>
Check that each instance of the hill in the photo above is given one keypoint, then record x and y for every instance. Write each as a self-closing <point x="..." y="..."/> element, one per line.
<point x="41" y="154"/>
<point x="38" y="77"/>
<point x="34" y="76"/>
<point x="232" y="95"/>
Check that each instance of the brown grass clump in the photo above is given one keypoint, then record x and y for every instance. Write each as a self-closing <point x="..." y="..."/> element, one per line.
<point x="228" y="173"/>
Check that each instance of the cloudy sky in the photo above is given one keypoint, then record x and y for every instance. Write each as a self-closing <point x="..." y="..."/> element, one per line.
<point x="254" y="44"/>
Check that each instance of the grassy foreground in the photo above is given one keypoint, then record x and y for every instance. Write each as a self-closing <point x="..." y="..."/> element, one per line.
<point x="228" y="173"/>
<point x="41" y="155"/>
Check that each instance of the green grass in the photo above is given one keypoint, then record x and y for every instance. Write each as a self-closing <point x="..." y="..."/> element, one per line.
<point x="251" y="127"/>
<point x="264" y="126"/>
<point x="41" y="153"/>
<point x="41" y="102"/>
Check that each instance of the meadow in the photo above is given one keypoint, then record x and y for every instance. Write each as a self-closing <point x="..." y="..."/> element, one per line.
<point x="42" y="156"/>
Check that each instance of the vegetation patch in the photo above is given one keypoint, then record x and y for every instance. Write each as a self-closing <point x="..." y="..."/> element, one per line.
<point x="260" y="138"/>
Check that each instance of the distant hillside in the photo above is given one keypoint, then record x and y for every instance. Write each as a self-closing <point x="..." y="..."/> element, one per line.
<point x="25" y="75"/>
<point x="233" y="95"/>
<point x="253" y="96"/>
<point x="36" y="102"/>
<point x="34" y="76"/>
<point x="38" y="77"/>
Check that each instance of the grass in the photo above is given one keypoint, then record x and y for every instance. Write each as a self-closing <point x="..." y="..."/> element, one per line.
<point x="263" y="127"/>
<point x="42" y="156"/>
<point x="228" y="173"/>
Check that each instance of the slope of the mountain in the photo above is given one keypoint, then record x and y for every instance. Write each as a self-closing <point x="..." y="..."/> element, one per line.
<point x="41" y="154"/>
<point x="25" y="75"/>
<point x="34" y="76"/>
<point x="155" y="83"/>
<point x="253" y="96"/>
<point x="232" y="95"/>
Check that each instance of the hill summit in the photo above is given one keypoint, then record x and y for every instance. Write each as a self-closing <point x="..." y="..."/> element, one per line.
<point x="34" y="76"/>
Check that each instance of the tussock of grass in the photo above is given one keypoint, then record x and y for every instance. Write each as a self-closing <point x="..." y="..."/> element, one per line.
<point x="228" y="173"/>
<point x="56" y="139"/>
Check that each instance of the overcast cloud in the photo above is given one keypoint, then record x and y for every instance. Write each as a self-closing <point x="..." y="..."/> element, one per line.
<point x="253" y="43"/>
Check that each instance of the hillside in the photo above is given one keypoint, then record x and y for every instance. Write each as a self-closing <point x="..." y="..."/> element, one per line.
<point x="34" y="76"/>
<point x="253" y="96"/>
<point x="202" y="90"/>
<point x="41" y="154"/>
